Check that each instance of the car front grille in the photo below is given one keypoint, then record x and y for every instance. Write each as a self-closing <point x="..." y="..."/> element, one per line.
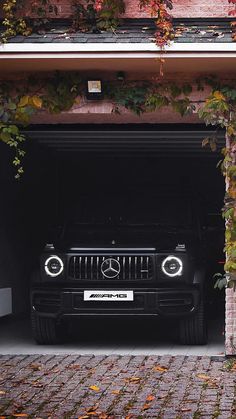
<point x="132" y="267"/>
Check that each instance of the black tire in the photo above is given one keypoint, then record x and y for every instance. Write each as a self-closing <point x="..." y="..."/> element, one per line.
<point x="45" y="330"/>
<point x="193" y="330"/>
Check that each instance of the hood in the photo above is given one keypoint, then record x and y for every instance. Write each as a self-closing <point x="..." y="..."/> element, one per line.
<point x="158" y="237"/>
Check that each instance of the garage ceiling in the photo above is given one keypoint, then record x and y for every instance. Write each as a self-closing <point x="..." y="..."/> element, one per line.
<point x="122" y="142"/>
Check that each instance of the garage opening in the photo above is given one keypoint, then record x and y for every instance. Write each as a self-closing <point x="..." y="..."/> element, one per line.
<point x="120" y="184"/>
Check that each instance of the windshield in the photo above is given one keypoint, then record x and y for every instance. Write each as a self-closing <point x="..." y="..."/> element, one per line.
<point x="141" y="209"/>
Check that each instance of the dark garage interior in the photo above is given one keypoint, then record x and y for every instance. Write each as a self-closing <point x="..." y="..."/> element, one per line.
<point x="105" y="175"/>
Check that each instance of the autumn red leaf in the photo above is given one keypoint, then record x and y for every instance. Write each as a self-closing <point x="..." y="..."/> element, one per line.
<point x="233" y="367"/>
<point x="150" y="398"/>
<point x="92" y="408"/>
<point x="146" y="406"/>
<point x="160" y="368"/>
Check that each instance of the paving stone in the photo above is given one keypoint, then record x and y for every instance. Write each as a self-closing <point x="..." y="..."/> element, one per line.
<point x="71" y="386"/>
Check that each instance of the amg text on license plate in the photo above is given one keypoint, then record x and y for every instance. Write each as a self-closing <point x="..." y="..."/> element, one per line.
<point x="109" y="295"/>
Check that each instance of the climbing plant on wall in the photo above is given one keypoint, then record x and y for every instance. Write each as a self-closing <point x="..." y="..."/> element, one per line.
<point x="219" y="109"/>
<point x="17" y="19"/>
<point x="87" y="15"/>
<point x="97" y="15"/>
<point x="159" y="10"/>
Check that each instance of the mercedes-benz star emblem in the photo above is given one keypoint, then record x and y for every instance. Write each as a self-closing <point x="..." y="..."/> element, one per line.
<point x="110" y="268"/>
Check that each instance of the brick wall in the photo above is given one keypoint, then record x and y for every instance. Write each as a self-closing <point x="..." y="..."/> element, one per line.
<point x="230" y="322"/>
<point x="182" y="8"/>
<point x="186" y="8"/>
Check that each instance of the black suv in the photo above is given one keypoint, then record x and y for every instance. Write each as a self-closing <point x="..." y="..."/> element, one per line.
<point x="148" y="261"/>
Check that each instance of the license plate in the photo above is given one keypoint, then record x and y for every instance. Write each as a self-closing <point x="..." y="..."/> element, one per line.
<point x="108" y="295"/>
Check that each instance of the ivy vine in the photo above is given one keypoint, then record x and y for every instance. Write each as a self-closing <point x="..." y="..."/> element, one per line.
<point x="164" y="22"/>
<point x="13" y="25"/>
<point x="96" y="15"/>
<point x="219" y="109"/>
<point x="92" y="15"/>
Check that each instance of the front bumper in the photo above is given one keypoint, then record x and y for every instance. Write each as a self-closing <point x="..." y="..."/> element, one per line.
<point x="174" y="302"/>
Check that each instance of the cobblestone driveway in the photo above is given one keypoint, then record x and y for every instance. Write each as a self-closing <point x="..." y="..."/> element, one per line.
<point x="110" y="387"/>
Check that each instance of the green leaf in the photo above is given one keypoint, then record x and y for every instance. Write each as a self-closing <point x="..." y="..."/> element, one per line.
<point x="11" y="106"/>
<point x="175" y="90"/>
<point x="5" y="137"/>
<point x="14" y="129"/>
<point x="187" y="89"/>
<point x="228" y="213"/>
<point x="233" y="253"/>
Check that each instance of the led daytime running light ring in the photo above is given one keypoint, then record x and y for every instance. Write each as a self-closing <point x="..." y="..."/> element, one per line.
<point x="180" y="270"/>
<point x="61" y="264"/>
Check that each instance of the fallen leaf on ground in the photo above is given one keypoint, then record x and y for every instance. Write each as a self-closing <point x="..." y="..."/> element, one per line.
<point x="74" y="367"/>
<point x="133" y="379"/>
<point x="55" y="370"/>
<point x="2" y="392"/>
<point x="208" y="380"/>
<point x="115" y="391"/>
<point x="146" y="406"/>
<point x="35" y="367"/>
<point x="20" y="415"/>
<point x="93" y="412"/>
<point x="37" y="385"/>
<point x="92" y="408"/>
<point x="19" y="382"/>
<point x="94" y="388"/>
<point x="150" y="398"/>
<point x="190" y="400"/>
<point x="185" y="409"/>
<point x="160" y="368"/>
<point x="204" y="377"/>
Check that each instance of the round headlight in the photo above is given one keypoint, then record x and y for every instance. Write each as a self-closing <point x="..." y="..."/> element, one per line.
<point x="172" y="266"/>
<point x="54" y="266"/>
